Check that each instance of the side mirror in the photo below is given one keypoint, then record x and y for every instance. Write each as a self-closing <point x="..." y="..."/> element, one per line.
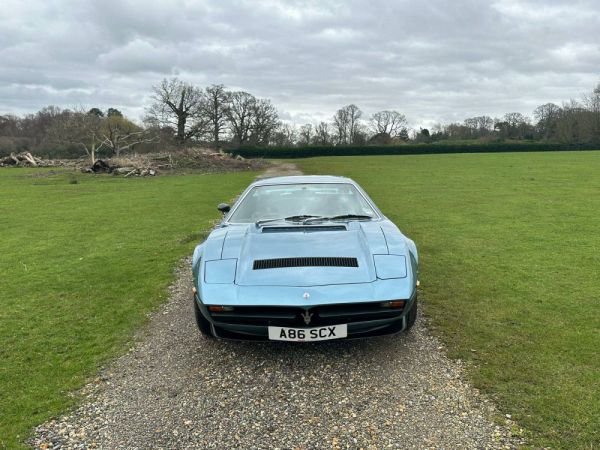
<point x="224" y="208"/>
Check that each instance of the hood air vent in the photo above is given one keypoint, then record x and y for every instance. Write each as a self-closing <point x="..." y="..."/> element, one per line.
<point x="304" y="229"/>
<point x="315" y="261"/>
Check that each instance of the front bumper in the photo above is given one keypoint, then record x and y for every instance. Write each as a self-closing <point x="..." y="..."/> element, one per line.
<point x="364" y="319"/>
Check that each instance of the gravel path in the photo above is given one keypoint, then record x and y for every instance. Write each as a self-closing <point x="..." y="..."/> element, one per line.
<point x="176" y="389"/>
<point x="280" y="169"/>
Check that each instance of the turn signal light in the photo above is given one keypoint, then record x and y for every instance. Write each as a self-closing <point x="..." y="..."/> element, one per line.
<point x="215" y="308"/>
<point x="394" y="304"/>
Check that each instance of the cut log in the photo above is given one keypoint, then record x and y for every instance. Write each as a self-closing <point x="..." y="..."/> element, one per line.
<point x="29" y="158"/>
<point x="123" y="170"/>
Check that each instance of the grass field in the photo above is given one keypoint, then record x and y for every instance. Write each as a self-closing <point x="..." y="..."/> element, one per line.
<point x="80" y="266"/>
<point x="509" y="247"/>
<point x="510" y="272"/>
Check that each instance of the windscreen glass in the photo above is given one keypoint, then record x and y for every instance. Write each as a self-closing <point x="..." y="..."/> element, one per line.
<point x="311" y="199"/>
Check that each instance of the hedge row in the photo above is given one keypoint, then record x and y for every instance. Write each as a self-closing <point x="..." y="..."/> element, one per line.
<point x="408" y="149"/>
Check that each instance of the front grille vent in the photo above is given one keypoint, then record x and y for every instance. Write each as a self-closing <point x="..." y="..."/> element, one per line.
<point x="315" y="261"/>
<point x="303" y="229"/>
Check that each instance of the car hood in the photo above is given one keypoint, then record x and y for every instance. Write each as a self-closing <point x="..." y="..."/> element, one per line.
<point x="248" y="243"/>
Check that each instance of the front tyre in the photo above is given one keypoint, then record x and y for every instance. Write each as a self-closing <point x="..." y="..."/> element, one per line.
<point x="202" y="323"/>
<point x="411" y="316"/>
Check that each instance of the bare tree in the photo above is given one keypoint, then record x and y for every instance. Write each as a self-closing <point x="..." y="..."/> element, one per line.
<point x="178" y="104"/>
<point x="264" y="120"/>
<point x="547" y="116"/>
<point x="346" y="122"/>
<point x="284" y="135"/>
<point x="514" y="126"/>
<point x="306" y="134"/>
<point x="34" y="126"/>
<point x="388" y="122"/>
<point x="322" y="134"/>
<point x="359" y="137"/>
<point x="9" y="125"/>
<point x="569" y="127"/>
<point x="239" y="112"/>
<point x="474" y="127"/>
<point x="78" y="128"/>
<point x="120" y="134"/>
<point x="340" y="122"/>
<point x="215" y="110"/>
<point x="515" y="119"/>
<point x="592" y="121"/>
<point x="592" y="101"/>
<point x="546" y="111"/>
<point x="354" y="114"/>
<point x="485" y="124"/>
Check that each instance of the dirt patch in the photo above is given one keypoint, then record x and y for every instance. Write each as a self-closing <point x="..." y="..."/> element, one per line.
<point x="279" y="169"/>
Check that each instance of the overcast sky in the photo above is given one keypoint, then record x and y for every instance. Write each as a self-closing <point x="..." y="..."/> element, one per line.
<point x="440" y="60"/>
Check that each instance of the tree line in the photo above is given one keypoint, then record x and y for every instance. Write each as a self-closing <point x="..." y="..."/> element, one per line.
<point x="183" y="114"/>
<point x="237" y="118"/>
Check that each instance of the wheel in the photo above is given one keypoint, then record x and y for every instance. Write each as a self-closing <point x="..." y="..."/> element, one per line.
<point x="411" y="317"/>
<point x="203" y="324"/>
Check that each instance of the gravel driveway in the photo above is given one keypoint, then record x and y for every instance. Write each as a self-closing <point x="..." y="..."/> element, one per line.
<point x="176" y="389"/>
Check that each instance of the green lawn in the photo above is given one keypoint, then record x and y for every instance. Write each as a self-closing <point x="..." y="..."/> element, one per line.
<point x="510" y="273"/>
<point x="80" y="266"/>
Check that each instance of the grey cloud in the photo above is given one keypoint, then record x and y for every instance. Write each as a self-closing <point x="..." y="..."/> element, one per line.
<point x="434" y="61"/>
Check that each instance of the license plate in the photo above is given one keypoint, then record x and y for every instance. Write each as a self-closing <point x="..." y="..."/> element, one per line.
<point x="308" y="334"/>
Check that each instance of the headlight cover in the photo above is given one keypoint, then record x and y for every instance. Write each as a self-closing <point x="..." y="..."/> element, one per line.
<point x="390" y="266"/>
<point x="220" y="271"/>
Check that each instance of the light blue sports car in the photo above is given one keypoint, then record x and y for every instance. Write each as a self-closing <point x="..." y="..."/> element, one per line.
<point x="304" y="258"/>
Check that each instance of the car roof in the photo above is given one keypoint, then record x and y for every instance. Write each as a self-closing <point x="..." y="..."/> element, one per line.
<point x="300" y="179"/>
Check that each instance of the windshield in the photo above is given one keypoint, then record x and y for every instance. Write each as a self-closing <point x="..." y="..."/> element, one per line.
<point x="301" y="200"/>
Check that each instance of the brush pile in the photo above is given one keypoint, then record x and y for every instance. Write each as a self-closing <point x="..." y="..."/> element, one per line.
<point x="24" y="159"/>
<point x="186" y="160"/>
<point x="102" y="166"/>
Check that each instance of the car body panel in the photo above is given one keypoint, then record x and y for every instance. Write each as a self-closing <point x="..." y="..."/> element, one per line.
<point x="387" y="263"/>
<point x="258" y="245"/>
<point x="380" y="290"/>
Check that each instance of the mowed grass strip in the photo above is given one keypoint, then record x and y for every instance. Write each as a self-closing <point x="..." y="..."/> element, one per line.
<point x="510" y="272"/>
<point x="80" y="267"/>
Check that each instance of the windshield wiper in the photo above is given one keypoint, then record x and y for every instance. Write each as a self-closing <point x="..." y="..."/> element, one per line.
<point x="298" y="218"/>
<point x="340" y="217"/>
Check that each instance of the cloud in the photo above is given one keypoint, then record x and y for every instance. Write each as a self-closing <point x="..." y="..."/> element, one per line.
<point x="138" y="56"/>
<point x="434" y="61"/>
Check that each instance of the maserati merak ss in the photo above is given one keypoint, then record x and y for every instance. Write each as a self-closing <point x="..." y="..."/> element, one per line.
<point x="304" y="258"/>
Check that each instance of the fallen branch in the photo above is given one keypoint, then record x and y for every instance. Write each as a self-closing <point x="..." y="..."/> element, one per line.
<point x="29" y="158"/>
